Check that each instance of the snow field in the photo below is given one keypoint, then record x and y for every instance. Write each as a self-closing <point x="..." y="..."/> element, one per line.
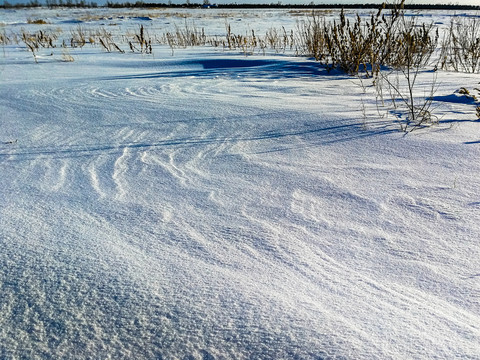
<point x="215" y="206"/>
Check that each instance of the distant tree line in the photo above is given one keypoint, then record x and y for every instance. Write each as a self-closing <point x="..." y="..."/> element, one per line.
<point x="70" y="3"/>
<point x="51" y="4"/>
<point x="280" y="5"/>
<point x="206" y="3"/>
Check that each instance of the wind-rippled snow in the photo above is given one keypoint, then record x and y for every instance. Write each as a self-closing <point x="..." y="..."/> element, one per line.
<point x="215" y="206"/>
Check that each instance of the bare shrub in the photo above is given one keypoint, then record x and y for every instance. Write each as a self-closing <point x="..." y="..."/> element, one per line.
<point x="352" y="46"/>
<point x="411" y="110"/>
<point x="460" y="47"/>
<point x="412" y="46"/>
<point x="367" y="45"/>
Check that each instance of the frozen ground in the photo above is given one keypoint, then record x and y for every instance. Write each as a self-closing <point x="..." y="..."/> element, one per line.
<point x="215" y="206"/>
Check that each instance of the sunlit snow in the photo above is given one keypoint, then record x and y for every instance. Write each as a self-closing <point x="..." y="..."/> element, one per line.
<point x="212" y="205"/>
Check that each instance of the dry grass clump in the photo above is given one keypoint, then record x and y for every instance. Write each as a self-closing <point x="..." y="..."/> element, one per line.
<point x="78" y="37"/>
<point x="354" y="45"/>
<point x="4" y="38"/>
<point x="280" y="40"/>
<point x="367" y="45"/>
<point x="246" y="43"/>
<point x="37" y="21"/>
<point x="306" y="12"/>
<point x="310" y="37"/>
<point x="40" y="39"/>
<point x="277" y="40"/>
<point x="460" y="48"/>
<point x="468" y="94"/>
<point x="141" y="42"/>
<point x="107" y="42"/>
<point x="66" y="56"/>
<point x="185" y="36"/>
<point x="471" y="96"/>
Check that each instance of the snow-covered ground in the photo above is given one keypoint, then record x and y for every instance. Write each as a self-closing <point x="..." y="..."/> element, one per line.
<point x="212" y="205"/>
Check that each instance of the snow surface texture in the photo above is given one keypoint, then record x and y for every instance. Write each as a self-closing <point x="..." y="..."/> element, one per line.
<point x="215" y="206"/>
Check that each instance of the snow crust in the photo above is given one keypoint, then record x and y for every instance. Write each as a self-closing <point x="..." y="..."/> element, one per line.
<point x="211" y="205"/>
